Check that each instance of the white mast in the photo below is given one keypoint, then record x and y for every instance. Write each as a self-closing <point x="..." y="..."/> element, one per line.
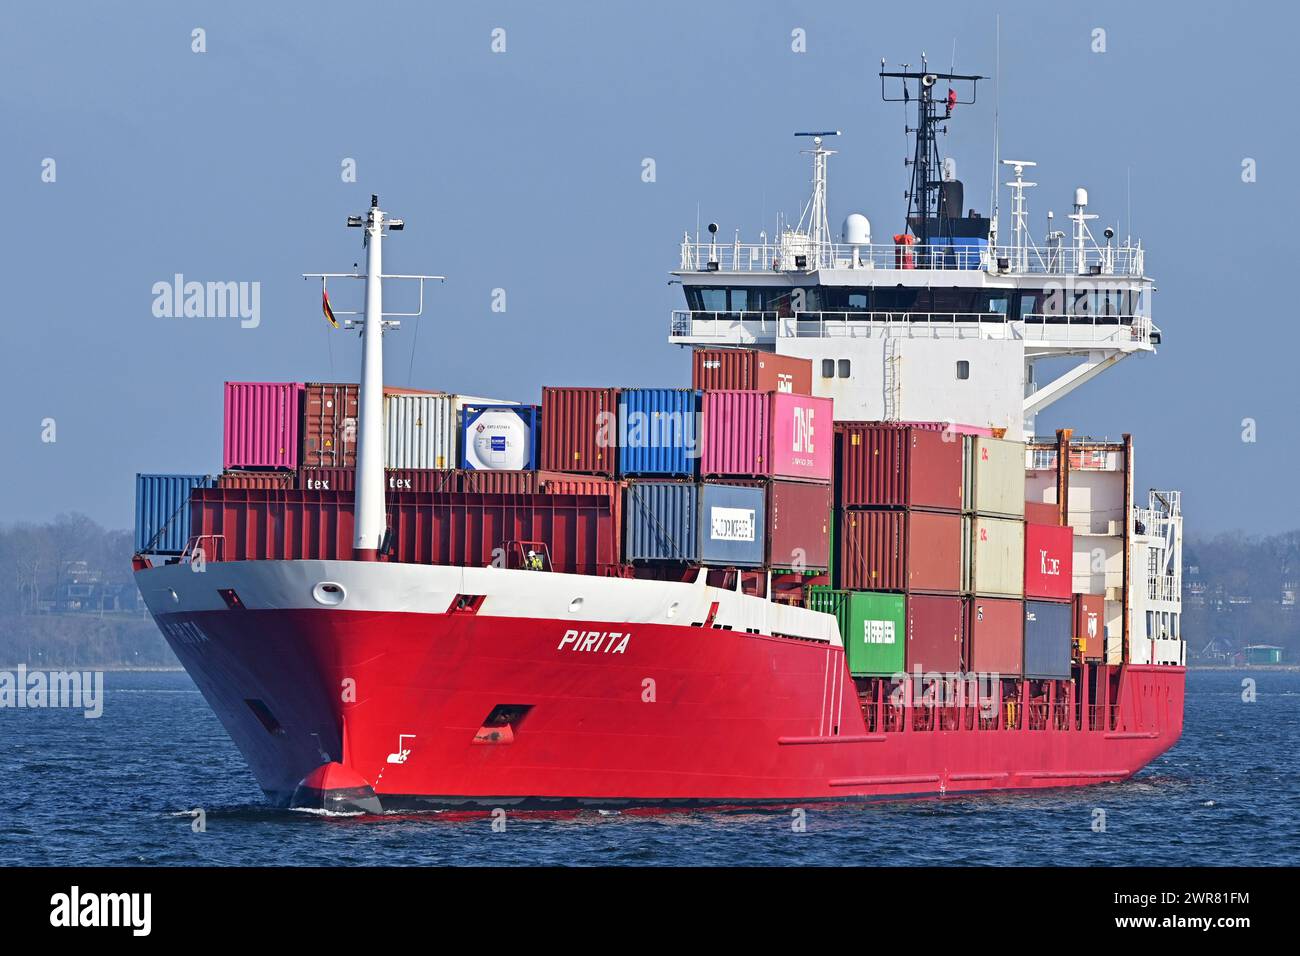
<point x="370" y="520"/>
<point x="370" y="517"/>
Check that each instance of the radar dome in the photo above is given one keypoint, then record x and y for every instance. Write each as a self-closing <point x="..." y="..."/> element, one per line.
<point x="1081" y="197"/>
<point x="857" y="230"/>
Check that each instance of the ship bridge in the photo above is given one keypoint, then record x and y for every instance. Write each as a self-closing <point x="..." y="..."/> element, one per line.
<point x="938" y="322"/>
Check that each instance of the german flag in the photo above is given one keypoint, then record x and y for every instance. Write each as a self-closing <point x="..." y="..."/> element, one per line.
<point x="325" y="307"/>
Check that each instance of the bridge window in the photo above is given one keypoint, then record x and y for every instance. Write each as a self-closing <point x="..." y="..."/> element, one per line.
<point x="963" y="370"/>
<point x="714" y="300"/>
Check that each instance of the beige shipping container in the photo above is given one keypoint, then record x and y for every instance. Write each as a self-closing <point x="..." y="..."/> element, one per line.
<point x="995" y="556"/>
<point x="420" y="429"/>
<point x="995" y="476"/>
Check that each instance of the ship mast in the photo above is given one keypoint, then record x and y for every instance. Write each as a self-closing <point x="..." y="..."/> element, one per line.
<point x="370" y="516"/>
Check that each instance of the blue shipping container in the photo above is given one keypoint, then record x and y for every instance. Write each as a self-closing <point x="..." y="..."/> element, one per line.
<point x="162" y="511"/>
<point x="1048" y="630"/>
<point x="658" y="430"/>
<point x="695" y="524"/>
<point x="500" y="437"/>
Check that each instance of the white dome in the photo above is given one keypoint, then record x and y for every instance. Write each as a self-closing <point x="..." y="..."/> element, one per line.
<point x="1081" y="197"/>
<point x="857" y="230"/>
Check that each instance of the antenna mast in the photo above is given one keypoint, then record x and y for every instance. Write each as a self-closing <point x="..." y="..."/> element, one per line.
<point x="814" y="213"/>
<point x="923" y="212"/>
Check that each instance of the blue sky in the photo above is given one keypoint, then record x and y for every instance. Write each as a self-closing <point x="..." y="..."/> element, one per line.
<point x="522" y="171"/>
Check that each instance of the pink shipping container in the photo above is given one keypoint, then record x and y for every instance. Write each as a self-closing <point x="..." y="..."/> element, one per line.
<point x="883" y="465"/>
<point x="767" y="435"/>
<point x="1049" y="562"/>
<point x="261" y="425"/>
<point x="580" y="430"/>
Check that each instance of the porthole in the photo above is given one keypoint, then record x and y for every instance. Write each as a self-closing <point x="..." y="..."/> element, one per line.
<point x="575" y="605"/>
<point x="329" y="593"/>
<point x="672" y="609"/>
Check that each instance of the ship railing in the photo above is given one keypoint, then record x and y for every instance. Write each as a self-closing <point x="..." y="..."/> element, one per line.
<point x="928" y="325"/>
<point x="202" y="548"/>
<point x="729" y="327"/>
<point x="1116" y="330"/>
<point x="805" y="255"/>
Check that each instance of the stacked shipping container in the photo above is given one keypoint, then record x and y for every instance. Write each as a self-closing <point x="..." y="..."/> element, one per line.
<point x="899" y="533"/>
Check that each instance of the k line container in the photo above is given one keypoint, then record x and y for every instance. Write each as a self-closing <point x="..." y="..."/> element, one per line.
<point x="1049" y="562"/>
<point x="1047" y="640"/>
<point x="658" y="431"/>
<point x="996" y="629"/>
<point x="995" y="477"/>
<point x="580" y="430"/>
<point x="751" y="369"/>
<point x="686" y="522"/>
<point x="262" y="425"/>
<point x="162" y="511"/>
<point x="935" y="631"/>
<point x="901" y="551"/>
<point x="995" y="557"/>
<point x="1090" y="625"/>
<point x="873" y="626"/>
<point x="457" y="529"/>
<point x="499" y="437"/>
<point x="885" y="466"/>
<point x="329" y="425"/>
<point x="767" y="435"/>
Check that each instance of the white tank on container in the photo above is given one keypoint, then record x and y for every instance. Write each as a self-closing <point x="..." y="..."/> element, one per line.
<point x="499" y="437"/>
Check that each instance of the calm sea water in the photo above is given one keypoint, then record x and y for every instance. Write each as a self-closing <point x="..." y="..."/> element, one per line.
<point x="117" y="790"/>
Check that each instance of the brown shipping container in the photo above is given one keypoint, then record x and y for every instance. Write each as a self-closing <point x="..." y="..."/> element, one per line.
<point x="397" y="479"/>
<point x="996" y="629"/>
<point x="255" y="479"/>
<point x="751" y="369"/>
<point x="1037" y="512"/>
<point x="886" y="466"/>
<point x="934" y="633"/>
<point x="459" y="529"/>
<point x="901" y="551"/>
<point x="329" y="425"/>
<point x="1090" y="625"/>
<point x="580" y="430"/>
<point x="798" y="525"/>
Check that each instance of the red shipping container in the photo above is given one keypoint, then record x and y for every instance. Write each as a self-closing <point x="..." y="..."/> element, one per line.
<point x="996" y="642"/>
<point x="768" y="435"/>
<point x="458" y="529"/>
<point x="1040" y="513"/>
<point x="395" y="479"/>
<point x="934" y="633"/>
<point x="1049" y="562"/>
<point x="559" y="483"/>
<point x="498" y="482"/>
<point x="901" y="551"/>
<point x="329" y="425"/>
<point x="261" y="425"/>
<point x="256" y="479"/>
<point x="887" y="466"/>
<point x="1090" y="625"/>
<point x="580" y="430"/>
<point x="750" y="369"/>
<point x="798" y="525"/>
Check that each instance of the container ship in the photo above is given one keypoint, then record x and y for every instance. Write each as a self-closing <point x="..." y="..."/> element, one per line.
<point x="841" y="565"/>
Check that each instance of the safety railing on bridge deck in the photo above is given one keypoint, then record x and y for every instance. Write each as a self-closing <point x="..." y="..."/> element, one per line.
<point x="801" y="254"/>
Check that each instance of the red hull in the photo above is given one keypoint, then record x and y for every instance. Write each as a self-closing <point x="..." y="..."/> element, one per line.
<point x="734" y="716"/>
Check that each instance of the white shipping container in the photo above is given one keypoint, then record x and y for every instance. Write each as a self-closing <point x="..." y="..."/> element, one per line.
<point x="995" y="557"/>
<point x="995" y="476"/>
<point x="420" y="430"/>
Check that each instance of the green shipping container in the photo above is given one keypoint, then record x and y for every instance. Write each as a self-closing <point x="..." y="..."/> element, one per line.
<point x="873" y="625"/>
